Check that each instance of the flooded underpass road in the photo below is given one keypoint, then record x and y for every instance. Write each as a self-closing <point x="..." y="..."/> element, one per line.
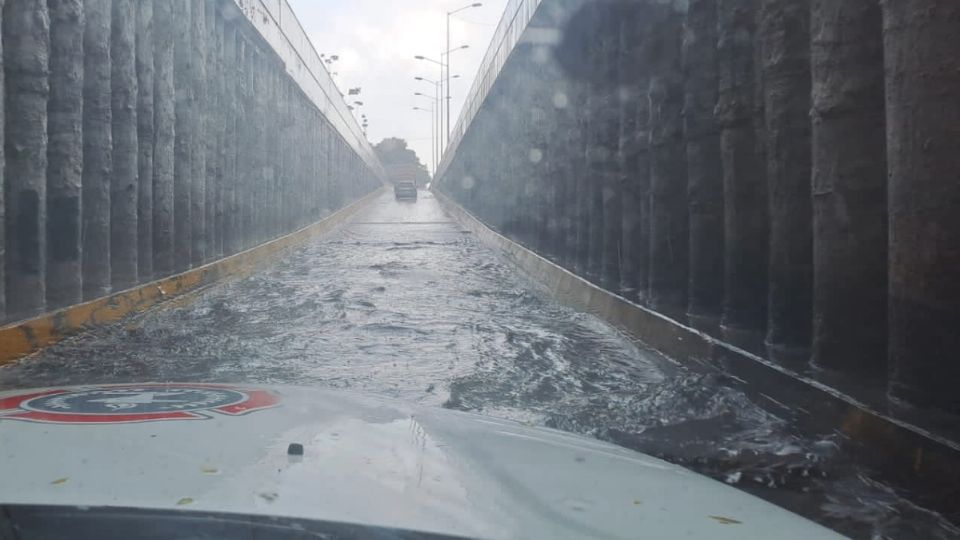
<point x="403" y="302"/>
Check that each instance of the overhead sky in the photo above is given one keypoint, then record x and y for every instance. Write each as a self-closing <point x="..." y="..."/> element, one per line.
<point x="377" y="40"/>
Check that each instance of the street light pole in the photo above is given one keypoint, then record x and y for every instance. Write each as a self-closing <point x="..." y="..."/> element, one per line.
<point x="448" y="78"/>
<point x="433" y="136"/>
<point x="445" y="65"/>
<point x="435" y="102"/>
<point x="438" y="95"/>
<point x="442" y="65"/>
<point x="449" y="13"/>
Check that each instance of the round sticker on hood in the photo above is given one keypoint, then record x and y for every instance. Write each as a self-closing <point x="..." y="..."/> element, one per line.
<point x="133" y="403"/>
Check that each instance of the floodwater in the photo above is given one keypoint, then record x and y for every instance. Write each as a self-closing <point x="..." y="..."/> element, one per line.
<point x="402" y="302"/>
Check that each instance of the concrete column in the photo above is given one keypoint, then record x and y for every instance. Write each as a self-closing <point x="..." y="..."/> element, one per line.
<point x="3" y="237"/>
<point x="318" y="158"/>
<point x="596" y="155"/>
<point x="744" y="183"/>
<point x="629" y="70"/>
<point x="669" y="214"/>
<point x="592" y="215"/>
<point x="210" y="139"/>
<point x="300" y="186"/>
<point x="329" y="194"/>
<point x="325" y="166"/>
<point x="542" y="188"/>
<point x="563" y="98"/>
<point x="97" y="148"/>
<point x="285" y="181"/>
<point x="553" y="236"/>
<point x="541" y="159"/>
<point x="198" y="147"/>
<point x="123" y="193"/>
<point x="551" y="155"/>
<point x="246" y="163"/>
<point x="291" y="186"/>
<point x="240" y="111"/>
<point x="221" y="133"/>
<point x="258" y="148"/>
<point x="295" y="155"/>
<point x="337" y="180"/>
<point x="145" y="139"/>
<point x="704" y="169"/>
<point x="231" y="224"/>
<point x="65" y="154"/>
<point x="164" y="106"/>
<point x="309" y="158"/>
<point x="607" y="148"/>
<point x="329" y="189"/>
<point x="219" y="83"/>
<point x="849" y="187"/>
<point x="570" y="98"/>
<point x="26" y="57"/>
<point x="519" y="172"/>
<point x="325" y="160"/>
<point x="273" y="150"/>
<point x="257" y="154"/>
<point x="525" y="172"/>
<point x="183" y="154"/>
<point x="641" y="240"/>
<point x="922" y="54"/>
<point x="784" y="35"/>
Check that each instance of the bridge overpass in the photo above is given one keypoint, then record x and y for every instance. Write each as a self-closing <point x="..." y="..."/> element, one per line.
<point x="718" y="231"/>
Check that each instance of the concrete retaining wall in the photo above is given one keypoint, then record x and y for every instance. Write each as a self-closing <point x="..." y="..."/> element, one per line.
<point x="781" y="174"/>
<point x="148" y="137"/>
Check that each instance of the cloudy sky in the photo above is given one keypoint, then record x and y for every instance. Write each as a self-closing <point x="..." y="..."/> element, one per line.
<point x="377" y="40"/>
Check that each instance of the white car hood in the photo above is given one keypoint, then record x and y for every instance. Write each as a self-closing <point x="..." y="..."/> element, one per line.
<point x="366" y="460"/>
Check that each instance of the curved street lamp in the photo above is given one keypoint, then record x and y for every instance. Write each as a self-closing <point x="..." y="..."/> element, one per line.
<point x="442" y="65"/>
<point x="449" y="14"/>
<point x="428" y="59"/>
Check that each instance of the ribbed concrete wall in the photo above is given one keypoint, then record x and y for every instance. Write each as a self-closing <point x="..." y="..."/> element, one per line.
<point x="782" y="173"/>
<point x="146" y="137"/>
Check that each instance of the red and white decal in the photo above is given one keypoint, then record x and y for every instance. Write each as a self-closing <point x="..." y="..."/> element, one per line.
<point x="111" y="404"/>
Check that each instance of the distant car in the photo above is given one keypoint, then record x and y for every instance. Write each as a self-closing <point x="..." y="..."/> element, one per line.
<point x="405" y="190"/>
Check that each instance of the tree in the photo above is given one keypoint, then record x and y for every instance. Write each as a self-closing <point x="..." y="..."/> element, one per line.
<point x="401" y="162"/>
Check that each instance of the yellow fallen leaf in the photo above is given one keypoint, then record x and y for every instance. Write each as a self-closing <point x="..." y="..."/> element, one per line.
<point x="183" y="501"/>
<point x="59" y="481"/>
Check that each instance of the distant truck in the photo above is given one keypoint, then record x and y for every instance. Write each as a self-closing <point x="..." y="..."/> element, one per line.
<point x="403" y="176"/>
<point x="403" y="172"/>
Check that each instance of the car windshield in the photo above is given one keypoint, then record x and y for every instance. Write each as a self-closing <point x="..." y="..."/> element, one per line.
<point x="510" y="268"/>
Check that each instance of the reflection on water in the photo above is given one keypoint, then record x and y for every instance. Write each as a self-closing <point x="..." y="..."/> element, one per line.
<point x="402" y="302"/>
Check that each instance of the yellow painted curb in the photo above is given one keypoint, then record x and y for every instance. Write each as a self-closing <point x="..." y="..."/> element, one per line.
<point x="25" y="337"/>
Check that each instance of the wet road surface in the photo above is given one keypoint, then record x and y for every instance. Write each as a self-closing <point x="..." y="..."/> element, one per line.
<point x="402" y="302"/>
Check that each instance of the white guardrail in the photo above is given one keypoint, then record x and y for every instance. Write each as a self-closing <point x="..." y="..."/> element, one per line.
<point x="279" y="26"/>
